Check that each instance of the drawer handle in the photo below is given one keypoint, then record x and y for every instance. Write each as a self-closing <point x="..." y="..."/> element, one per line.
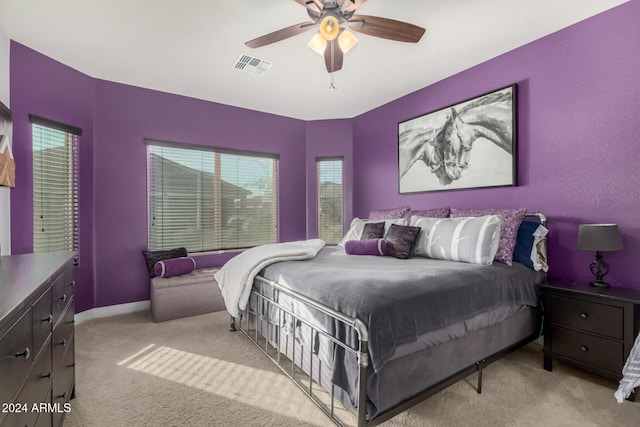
<point x="72" y="284"/>
<point x="62" y="396"/>
<point x="584" y="348"/>
<point x="49" y="319"/>
<point x="26" y="353"/>
<point x="72" y="365"/>
<point x="583" y="315"/>
<point x="63" y="343"/>
<point x="47" y="375"/>
<point x="63" y="297"/>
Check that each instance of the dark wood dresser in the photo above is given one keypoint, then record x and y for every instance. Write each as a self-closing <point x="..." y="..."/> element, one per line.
<point x="591" y="328"/>
<point x="37" y="360"/>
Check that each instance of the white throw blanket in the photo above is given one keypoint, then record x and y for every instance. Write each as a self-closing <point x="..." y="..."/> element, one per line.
<point x="630" y="373"/>
<point x="235" y="278"/>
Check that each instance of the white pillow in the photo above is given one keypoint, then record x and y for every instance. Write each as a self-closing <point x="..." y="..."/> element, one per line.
<point x="357" y="225"/>
<point x="467" y="239"/>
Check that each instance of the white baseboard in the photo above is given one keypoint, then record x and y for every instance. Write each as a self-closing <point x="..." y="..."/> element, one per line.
<point x="112" y="310"/>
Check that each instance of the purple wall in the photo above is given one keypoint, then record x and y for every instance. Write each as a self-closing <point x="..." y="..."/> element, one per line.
<point x="329" y="138"/>
<point x="124" y="117"/>
<point x="116" y="119"/>
<point x="44" y="87"/>
<point x="578" y="138"/>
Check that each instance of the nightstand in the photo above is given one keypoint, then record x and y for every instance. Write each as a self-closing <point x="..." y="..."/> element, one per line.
<point x="591" y="328"/>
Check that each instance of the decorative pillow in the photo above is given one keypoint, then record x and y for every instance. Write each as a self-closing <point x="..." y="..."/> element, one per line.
<point x="174" y="267"/>
<point x="400" y="240"/>
<point x="442" y="212"/>
<point x="394" y="213"/>
<point x="467" y="239"/>
<point x="366" y="247"/>
<point x="511" y="220"/>
<point x="372" y="230"/>
<point x="530" y="249"/>
<point x="152" y="257"/>
<point x="357" y="226"/>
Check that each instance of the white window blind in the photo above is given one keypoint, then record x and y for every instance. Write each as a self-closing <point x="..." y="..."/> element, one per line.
<point x="330" y="205"/>
<point x="206" y="200"/>
<point x="55" y="186"/>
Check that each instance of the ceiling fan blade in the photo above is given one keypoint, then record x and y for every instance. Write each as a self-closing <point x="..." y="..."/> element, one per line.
<point x="386" y="28"/>
<point x="351" y="4"/>
<point x="282" y="34"/>
<point x="333" y="56"/>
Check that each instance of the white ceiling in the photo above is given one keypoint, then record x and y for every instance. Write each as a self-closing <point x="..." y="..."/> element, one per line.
<point x="188" y="47"/>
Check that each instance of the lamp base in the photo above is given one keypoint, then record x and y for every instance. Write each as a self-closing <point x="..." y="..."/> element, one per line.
<point x="599" y="284"/>
<point x="599" y="268"/>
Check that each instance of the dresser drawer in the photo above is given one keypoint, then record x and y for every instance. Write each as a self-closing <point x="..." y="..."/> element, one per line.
<point x="44" y="420"/>
<point x="63" y="384"/>
<point x="62" y="337"/>
<point x="41" y="321"/>
<point x="62" y="291"/>
<point x="588" y="316"/>
<point x="598" y="352"/>
<point x="36" y="390"/>
<point x="15" y="357"/>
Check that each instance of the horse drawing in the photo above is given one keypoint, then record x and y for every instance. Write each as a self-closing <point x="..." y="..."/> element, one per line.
<point x="447" y="149"/>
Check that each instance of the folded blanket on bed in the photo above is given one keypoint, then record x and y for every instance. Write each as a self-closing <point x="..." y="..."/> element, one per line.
<point x="235" y="278"/>
<point x="630" y="373"/>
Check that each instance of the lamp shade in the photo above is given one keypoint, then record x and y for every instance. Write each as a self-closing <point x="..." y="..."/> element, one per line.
<point x="599" y="237"/>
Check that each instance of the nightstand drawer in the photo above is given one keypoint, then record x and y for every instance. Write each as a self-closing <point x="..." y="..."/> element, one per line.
<point x="597" y="352"/>
<point x="588" y="316"/>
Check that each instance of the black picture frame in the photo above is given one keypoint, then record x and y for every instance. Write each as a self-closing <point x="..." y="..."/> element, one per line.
<point x="467" y="145"/>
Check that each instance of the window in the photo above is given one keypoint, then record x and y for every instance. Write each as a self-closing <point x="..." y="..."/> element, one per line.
<point x="329" y="181"/>
<point x="55" y="186"/>
<point x="209" y="199"/>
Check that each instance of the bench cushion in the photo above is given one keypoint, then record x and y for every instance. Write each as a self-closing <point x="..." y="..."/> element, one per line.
<point x="186" y="295"/>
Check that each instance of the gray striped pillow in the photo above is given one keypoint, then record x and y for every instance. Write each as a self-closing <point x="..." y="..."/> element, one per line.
<point x="466" y="239"/>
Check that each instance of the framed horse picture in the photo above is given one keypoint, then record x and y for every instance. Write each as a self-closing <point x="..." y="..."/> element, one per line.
<point x="471" y="144"/>
<point x="7" y="164"/>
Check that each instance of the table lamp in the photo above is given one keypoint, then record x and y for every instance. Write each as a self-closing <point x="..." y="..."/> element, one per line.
<point x="599" y="238"/>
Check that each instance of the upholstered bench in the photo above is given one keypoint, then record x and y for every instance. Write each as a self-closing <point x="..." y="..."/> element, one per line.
<point x="185" y="295"/>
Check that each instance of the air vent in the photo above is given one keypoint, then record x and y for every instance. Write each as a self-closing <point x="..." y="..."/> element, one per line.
<point x="252" y="65"/>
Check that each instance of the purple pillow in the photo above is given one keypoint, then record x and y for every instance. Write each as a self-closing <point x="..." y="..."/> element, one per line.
<point x="511" y="220"/>
<point x="394" y="213"/>
<point x="400" y="240"/>
<point x="366" y="247"/>
<point x="174" y="267"/>
<point x="372" y="230"/>
<point x="442" y="212"/>
<point x="152" y="257"/>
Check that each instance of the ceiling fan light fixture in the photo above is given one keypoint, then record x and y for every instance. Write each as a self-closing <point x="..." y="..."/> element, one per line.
<point x="318" y="44"/>
<point x="347" y="41"/>
<point x="329" y="27"/>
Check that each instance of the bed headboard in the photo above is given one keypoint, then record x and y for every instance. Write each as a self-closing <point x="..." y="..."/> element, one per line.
<point x="541" y="217"/>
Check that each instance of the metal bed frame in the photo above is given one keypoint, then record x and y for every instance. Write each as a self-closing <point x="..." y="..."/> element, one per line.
<point x="362" y="352"/>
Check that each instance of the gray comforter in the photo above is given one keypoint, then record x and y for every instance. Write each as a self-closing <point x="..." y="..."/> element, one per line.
<point x="399" y="300"/>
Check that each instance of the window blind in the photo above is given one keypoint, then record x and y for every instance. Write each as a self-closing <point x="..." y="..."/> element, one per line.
<point x="206" y="200"/>
<point x="330" y="202"/>
<point x="55" y="187"/>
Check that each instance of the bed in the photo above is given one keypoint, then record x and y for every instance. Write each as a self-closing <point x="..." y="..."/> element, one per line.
<point x="376" y="335"/>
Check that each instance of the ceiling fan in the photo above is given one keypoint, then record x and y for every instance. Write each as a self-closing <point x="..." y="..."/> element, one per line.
<point x="333" y="19"/>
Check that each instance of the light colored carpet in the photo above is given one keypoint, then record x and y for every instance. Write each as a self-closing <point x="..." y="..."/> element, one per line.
<point x="194" y="372"/>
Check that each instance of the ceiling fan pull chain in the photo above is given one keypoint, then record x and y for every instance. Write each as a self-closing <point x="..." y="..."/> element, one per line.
<point x="332" y="87"/>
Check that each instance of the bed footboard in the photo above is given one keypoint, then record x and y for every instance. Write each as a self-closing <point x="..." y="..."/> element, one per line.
<point x="268" y="337"/>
